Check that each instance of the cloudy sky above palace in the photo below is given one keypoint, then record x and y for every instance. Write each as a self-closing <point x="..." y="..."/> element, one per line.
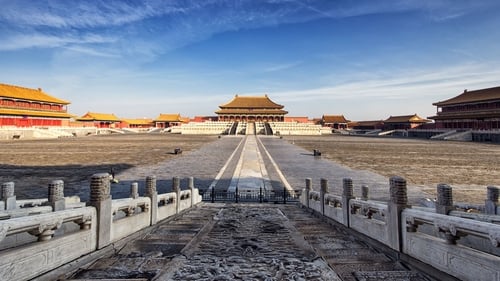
<point x="365" y="59"/>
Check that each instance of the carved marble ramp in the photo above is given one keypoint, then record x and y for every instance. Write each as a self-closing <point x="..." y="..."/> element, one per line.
<point x="216" y="241"/>
<point x="143" y="258"/>
<point x="250" y="174"/>
<point x="350" y="258"/>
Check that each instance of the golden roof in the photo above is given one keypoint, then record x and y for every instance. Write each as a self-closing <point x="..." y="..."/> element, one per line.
<point x="366" y="123"/>
<point x="175" y="117"/>
<point x="334" y="119"/>
<point x="406" y="119"/>
<point x="93" y="116"/>
<point x="256" y="102"/>
<point x="250" y="111"/>
<point x="16" y="92"/>
<point x="24" y="112"/>
<point x="138" y="121"/>
<point x="473" y="96"/>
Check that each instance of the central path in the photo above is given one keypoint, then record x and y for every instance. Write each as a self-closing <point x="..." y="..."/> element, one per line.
<point x="250" y="174"/>
<point x="227" y="241"/>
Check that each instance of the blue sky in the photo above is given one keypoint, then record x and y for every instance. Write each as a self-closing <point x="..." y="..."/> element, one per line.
<point x="365" y="59"/>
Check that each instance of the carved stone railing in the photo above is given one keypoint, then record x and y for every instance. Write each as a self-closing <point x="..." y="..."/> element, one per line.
<point x="370" y="218"/>
<point x="315" y="201"/>
<point x="166" y="199"/>
<point x="129" y="207"/>
<point x="166" y="205"/>
<point x="16" y="213"/>
<point x="476" y="216"/>
<point x="129" y="216"/>
<point x="184" y="200"/>
<point x="62" y="236"/>
<point x="434" y="239"/>
<point x="26" y="203"/>
<point x="70" y="230"/>
<point x="333" y="208"/>
<point x="463" y="245"/>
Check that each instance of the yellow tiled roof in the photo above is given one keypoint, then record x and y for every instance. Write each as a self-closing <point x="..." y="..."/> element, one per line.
<point x="24" y="112"/>
<point x="481" y="95"/>
<point x="406" y="119"/>
<point x="176" y="117"/>
<point x="250" y="111"/>
<point x="138" y="121"/>
<point x="256" y="102"/>
<point x="16" y="92"/>
<point x="334" y="119"/>
<point x="93" y="116"/>
<point x="366" y="123"/>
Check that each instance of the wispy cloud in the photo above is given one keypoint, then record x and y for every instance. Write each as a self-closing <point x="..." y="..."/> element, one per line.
<point x="83" y="14"/>
<point x="40" y="40"/>
<point x="281" y="67"/>
<point x="433" y="83"/>
<point x="168" y="25"/>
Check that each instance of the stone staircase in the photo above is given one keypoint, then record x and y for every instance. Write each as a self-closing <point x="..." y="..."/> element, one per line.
<point x="217" y="241"/>
<point x="350" y="258"/>
<point x="442" y="136"/>
<point x="145" y="257"/>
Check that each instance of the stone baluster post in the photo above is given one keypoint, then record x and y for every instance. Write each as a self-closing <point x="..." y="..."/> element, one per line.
<point x="153" y="195"/>
<point x="192" y="189"/>
<point x="8" y="196"/>
<point x="307" y="192"/>
<point x="444" y="202"/>
<point x="322" y="193"/>
<point x="347" y="195"/>
<point x="364" y="192"/>
<point x="56" y="195"/>
<point x="491" y="203"/>
<point x="101" y="200"/>
<point x="176" y="187"/>
<point x="134" y="190"/>
<point x="398" y="202"/>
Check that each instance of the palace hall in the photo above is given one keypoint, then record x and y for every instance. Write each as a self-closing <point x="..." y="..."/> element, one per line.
<point x="25" y="107"/>
<point x="476" y="110"/>
<point x="251" y="108"/>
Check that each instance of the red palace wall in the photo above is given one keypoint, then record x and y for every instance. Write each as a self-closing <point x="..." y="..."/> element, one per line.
<point x="29" y="122"/>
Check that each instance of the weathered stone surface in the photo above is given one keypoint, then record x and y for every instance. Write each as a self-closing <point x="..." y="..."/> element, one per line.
<point x="215" y="241"/>
<point x="251" y="242"/>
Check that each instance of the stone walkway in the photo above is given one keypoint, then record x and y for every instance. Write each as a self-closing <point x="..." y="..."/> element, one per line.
<point x="219" y="241"/>
<point x="250" y="174"/>
<point x="298" y="164"/>
<point x="295" y="163"/>
<point x="215" y="241"/>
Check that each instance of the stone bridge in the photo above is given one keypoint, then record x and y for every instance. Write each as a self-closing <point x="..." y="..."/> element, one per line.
<point x="323" y="232"/>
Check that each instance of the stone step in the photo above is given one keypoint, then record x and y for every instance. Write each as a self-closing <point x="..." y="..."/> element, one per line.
<point x="346" y="255"/>
<point x="388" y="276"/>
<point x="114" y="274"/>
<point x="247" y="241"/>
<point x="143" y="258"/>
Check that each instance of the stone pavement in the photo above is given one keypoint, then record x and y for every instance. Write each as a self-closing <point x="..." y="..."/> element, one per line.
<point x="295" y="163"/>
<point x="219" y="241"/>
<point x="216" y="241"/>
<point x="250" y="174"/>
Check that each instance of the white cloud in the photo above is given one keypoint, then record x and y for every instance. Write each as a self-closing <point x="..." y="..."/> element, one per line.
<point x="281" y="67"/>
<point x="40" y="40"/>
<point x="167" y="25"/>
<point x="407" y="90"/>
<point x="83" y="14"/>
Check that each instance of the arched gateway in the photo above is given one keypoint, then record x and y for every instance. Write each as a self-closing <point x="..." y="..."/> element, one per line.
<point x="251" y="108"/>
